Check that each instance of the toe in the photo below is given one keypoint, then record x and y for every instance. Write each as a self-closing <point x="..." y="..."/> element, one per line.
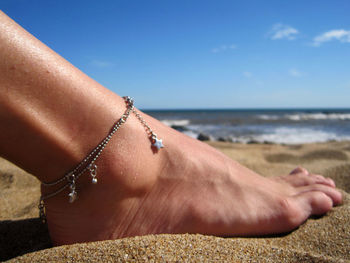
<point x="330" y="182"/>
<point x="304" y="179"/>
<point x="334" y="195"/>
<point x="319" y="179"/>
<point x="314" y="203"/>
<point x="299" y="170"/>
<point x="299" y="180"/>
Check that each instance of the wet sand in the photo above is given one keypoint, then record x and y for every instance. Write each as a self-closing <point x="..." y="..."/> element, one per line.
<point x="323" y="239"/>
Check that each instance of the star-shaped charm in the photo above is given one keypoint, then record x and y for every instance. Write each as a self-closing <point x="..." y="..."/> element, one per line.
<point x="72" y="196"/>
<point x="158" y="143"/>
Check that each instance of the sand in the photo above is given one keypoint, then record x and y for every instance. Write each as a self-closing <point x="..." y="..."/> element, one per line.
<point x="324" y="239"/>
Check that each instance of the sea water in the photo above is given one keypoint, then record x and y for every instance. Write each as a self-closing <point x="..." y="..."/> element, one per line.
<point x="291" y="126"/>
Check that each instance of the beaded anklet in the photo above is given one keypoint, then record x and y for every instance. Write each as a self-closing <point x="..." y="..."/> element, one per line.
<point x="88" y="164"/>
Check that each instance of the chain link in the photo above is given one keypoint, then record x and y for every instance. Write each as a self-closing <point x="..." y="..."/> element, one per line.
<point x="143" y="122"/>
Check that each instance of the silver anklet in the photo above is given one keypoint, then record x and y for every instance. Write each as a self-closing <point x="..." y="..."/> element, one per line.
<point x="88" y="164"/>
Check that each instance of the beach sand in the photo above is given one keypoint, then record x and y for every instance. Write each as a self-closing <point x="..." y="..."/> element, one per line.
<point x="323" y="239"/>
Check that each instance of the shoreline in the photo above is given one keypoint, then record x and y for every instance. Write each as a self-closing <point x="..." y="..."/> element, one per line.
<point x="288" y="126"/>
<point x="277" y="135"/>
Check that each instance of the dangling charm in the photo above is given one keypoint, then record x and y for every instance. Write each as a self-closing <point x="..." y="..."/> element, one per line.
<point x="158" y="143"/>
<point x="41" y="207"/>
<point x="73" y="195"/>
<point x="93" y="172"/>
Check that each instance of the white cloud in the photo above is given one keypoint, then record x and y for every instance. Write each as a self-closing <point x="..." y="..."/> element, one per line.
<point x="281" y="31"/>
<point x="101" y="64"/>
<point x="223" y="48"/>
<point x="295" y="73"/>
<point x="336" y="34"/>
<point x="247" y="74"/>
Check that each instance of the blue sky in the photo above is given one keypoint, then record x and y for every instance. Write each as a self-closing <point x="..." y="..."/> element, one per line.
<point x="202" y="54"/>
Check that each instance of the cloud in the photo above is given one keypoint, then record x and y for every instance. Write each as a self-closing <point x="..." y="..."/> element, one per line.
<point x="281" y="31"/>
<point x="295" y="73"/>
<point x="223" y="48"/>
<point x="101" y="64"/>
<point x="247" y="74"/>
<point x="336" y="34"/>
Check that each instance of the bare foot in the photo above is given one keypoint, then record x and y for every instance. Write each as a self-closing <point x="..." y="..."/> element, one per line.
<point x="51" y="114"/>
<point x="186" y="187"/>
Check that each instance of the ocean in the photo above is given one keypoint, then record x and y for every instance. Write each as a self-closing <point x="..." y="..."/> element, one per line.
<point x="292" y="126"/>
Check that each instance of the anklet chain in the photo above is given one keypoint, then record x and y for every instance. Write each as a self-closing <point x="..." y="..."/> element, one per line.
<point x="89" y="161"/>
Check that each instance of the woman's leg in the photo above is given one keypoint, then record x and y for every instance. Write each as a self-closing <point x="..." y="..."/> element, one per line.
<point x="52" y="115"/>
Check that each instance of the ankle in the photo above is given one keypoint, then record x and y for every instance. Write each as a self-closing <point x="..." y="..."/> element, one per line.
<point x="119" y="164"/>
<point x="128" y="170"/>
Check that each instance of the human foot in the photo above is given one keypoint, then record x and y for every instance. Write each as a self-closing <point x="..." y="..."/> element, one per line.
<point x="52" y="115"/>
<point x="186" y="187"/>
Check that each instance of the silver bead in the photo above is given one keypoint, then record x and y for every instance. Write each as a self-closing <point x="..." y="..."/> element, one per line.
<point x="94" y="180"/>
<point x="72" y="196"/>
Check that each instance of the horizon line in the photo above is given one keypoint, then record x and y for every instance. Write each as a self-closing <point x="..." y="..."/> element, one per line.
<point x="257" y="108"/>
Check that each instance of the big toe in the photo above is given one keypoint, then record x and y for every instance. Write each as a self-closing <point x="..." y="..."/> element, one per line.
<point x="314" y="203"/>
